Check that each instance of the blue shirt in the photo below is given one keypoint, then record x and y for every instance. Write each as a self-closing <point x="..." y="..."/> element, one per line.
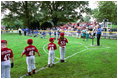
<point x="50" y="33"/>
<point x="26" y="29"/>
<point x="99" y="30"/>
<point x="43" y="33"/>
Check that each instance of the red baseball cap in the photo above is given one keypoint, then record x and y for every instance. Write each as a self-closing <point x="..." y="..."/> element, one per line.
<point x="51" y="39"/>
<point x="61" y="34"/>
<point x="3" y="41"/>
<point x="29" y="41"/>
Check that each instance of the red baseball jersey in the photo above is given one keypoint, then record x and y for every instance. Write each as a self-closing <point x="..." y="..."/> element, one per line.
<point x="52" y="46"/>
<point x="30" y="50"/>
<point x="6" y="54"/>
<point x="62" y="42"/>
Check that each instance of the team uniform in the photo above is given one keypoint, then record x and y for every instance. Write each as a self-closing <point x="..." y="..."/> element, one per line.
<point x="58" y="34"/>
<point x="29" y="51"/>
<point x="51" y="54"/>
<point x="6" y="54"/>
<point x="62" y="44"/>
<point x="50" y="34"/>
<point x="55" y="34"/>
<point x="78" y="33"/>
<point x="87" y="35"/>
<point x="44" y="34"/>
<point x="83" y="34"/>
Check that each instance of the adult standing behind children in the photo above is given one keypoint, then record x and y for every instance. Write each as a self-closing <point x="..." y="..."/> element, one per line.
<point x="62" y="43"/>
<point x="78" y="32"/>
<point x="83" y="34"/>
<point x="87" y="34"/>
<point x="55" y="34"/>
<point x="58" y="33"/>
<point x="50" y="33"/>
<point x="99" y="30"/>
<point x="20" y="31"/>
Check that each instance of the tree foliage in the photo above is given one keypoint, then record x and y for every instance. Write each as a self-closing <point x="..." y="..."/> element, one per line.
<point x="30" y="12"/>
<point x="106" y="9"/>
<point x="86" y="18"/>
<point x="22" y="10"/>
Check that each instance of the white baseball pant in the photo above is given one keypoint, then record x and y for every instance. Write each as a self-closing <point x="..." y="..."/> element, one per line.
<point x="30" y="63"/>
<point x="62" y="52"/>
<point x="78" y="35"/>
<point x="51" y="56"/>
<point x="5" y="69"/>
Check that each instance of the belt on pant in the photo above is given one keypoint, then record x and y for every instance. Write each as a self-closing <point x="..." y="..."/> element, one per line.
<point x="4" y="60"/>
<point x="30" y="55"/>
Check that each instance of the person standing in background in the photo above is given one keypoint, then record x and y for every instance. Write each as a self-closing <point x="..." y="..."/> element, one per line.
<point x="20" y="31"/>
<point x="87" y="34"/>
<point x="99" y="30"/>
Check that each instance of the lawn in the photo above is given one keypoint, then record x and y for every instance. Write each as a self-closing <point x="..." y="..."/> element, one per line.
<point x="82" y="59"/>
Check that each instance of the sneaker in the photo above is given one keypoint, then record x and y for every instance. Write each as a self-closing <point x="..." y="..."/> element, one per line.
<point x="53" y="64"/>
<point x="28" y="74"/>
<point x="33" y="71"/>
<point x="61" y="61"/>
<point x="49" y="65"/>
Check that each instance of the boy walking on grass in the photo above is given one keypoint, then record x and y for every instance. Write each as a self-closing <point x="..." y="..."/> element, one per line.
<point x="51" y="55"/>
<point x="29" y="51"/>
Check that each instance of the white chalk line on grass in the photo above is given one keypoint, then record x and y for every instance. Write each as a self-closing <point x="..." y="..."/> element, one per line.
<point x="84" y="50"/>
<point x="42" y="68"/>
<point x="75" y="54"/>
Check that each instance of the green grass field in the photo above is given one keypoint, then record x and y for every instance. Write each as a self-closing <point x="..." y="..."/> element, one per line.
<point x="83" y="60"/>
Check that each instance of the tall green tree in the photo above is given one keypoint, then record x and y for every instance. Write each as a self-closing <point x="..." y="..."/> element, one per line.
<point x="106" y="9"/>
<point x="12" y="22"/>
<point x="86" y="18"/>
<point x="43" y="11"/>
<point x="22" y="10"/>
<point x="63" y="11"/>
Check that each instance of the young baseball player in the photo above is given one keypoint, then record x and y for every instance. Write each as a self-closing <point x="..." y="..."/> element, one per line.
<point x="50" y="33"/>
<point x="87" y="34"/>
<point x="58" y="33"/>
<point x="83" y="34"/>
<point x="44" y="34"/>
<point x="6" y="56"/>
<point x="51" y="47"/>
<point x="78" y="33"/>
<point x="55" y="34"/>
<point x="62" y="43"/>
<point x="29" y="51"/>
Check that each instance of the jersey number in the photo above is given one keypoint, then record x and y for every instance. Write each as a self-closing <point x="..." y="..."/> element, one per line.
<point x="63" y="42"/>
<point x="7" y="57"/>
<point x="51" y="48"/>
<point x="31" y="52"/>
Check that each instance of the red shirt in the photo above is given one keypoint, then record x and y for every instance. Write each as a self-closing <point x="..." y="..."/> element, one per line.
<point x="6" y="54"/>
<point x="30" y="50"/>
<point x="62" y="42"/>
<point x="52" y="46"/>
